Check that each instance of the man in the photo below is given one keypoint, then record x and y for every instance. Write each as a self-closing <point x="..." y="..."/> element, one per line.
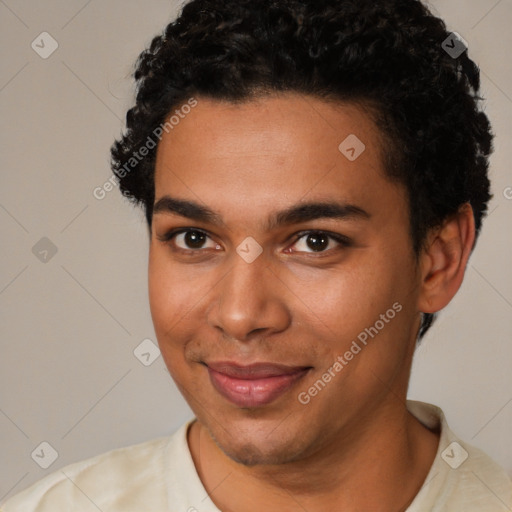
<point x="314" y="177"/>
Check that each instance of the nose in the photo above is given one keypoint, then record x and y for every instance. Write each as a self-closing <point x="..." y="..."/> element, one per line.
<point x="249" y="302"/>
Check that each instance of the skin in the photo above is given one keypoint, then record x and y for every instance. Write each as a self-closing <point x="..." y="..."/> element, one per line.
<point x="354" y="446"/>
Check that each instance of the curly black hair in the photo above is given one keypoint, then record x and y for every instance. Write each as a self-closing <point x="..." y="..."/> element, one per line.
<point x="391" y="55"/>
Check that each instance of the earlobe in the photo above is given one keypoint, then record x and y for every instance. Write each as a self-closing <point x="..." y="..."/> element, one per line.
<point x="444" y="259"/>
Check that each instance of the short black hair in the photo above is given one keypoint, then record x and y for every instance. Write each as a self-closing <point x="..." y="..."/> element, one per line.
<point x="390" y="55"/>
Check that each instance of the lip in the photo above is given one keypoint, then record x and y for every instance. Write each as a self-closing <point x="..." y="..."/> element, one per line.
<point x="253" y="385"/>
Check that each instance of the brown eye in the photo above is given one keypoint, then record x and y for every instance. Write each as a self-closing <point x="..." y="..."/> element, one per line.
<point x="194" y="239"/>
<point x="189" y="240"/>
<point x="319" y="242"/>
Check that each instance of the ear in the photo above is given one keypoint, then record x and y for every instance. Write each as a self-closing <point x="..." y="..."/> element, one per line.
<point x="444" y="258"/>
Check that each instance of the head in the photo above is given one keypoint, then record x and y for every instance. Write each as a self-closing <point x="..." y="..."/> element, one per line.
<point x="255" y="121"/>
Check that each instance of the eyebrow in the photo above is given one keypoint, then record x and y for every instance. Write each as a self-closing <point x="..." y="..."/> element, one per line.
<point x="295" y="214"/>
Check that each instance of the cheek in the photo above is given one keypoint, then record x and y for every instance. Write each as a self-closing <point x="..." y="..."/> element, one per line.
<point x="168" y="311"/>
<point x="344" y="299"/>
<point x="351" y="301"/>
<point x="178" y="294"/>
<point x="170" y="295"/>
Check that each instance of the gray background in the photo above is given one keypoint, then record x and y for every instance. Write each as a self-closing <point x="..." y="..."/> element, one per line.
<point x="68" y="375"/>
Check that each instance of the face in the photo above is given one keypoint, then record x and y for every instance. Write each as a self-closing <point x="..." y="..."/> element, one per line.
<point x="283" y="286"/>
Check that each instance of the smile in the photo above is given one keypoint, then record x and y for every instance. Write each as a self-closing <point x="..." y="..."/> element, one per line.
<point x="255" y="385"/>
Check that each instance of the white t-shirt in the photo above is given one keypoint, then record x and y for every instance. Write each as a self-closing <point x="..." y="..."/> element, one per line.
<point x="160" y="476"/>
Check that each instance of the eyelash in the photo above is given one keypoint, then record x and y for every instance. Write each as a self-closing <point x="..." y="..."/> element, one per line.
<point x="343" y="241"/>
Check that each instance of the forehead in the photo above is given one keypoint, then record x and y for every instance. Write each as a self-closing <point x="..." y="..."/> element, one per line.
<point x="271" y="152"/>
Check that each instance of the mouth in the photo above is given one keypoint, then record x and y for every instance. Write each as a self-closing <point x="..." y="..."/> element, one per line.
<point x="254" y="385"/>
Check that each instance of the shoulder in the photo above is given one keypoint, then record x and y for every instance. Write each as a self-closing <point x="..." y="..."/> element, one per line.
<point x="462" y="478"/>
<point x="130" y="478"/>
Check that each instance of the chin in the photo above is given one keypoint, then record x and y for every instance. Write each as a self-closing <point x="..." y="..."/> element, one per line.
<point x="250" y="454"/>
<point x="252" y="447"/>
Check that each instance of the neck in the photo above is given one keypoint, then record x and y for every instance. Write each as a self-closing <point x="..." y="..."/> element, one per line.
<point x="379" y="464"/>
